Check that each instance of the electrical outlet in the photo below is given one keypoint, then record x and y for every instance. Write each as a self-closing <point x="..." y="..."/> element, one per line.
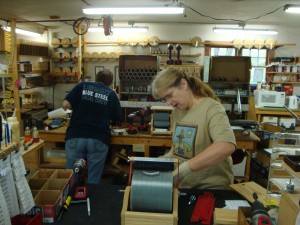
<point x="138" y="148"/>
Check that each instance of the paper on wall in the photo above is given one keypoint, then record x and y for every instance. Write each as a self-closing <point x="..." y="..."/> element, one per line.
<point x="4" y="214"/>
<point x="8" y="187"/>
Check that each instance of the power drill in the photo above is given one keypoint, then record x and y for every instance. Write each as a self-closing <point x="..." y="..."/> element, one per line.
<point x="79" y="189"/>
<point x="259" y="215"/>
<point x="79" y="177"/>
<point x="143" y="125"/>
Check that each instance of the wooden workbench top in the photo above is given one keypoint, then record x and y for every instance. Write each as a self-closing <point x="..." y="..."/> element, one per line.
<point x="238" y="134"/>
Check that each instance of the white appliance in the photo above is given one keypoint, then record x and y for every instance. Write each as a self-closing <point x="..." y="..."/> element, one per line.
<point x="292" y="102"/>
<point x="265" y="98"/>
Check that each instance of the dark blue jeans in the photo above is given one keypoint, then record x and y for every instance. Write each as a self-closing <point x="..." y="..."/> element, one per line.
<point x="93" y="151"/>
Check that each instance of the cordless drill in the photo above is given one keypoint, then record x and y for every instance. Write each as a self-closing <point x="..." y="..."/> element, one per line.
<point x="79" y="189"/>
<point x="142" y="113"/>
<point x="259" y="215"/>
<point x="79" y="177"/>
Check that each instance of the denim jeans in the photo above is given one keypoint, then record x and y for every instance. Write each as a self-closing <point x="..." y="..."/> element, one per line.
<point x="93" y="151"/>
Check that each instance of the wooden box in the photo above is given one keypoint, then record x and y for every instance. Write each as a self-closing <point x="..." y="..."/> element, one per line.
<point x="243" y="213"/>
<point x="146" y="218"/>
<point x="288" y="208"/>
<point x="292" y="161"/>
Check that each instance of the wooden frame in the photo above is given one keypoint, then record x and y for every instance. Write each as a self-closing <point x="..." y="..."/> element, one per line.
<point x="143" y="218"/>
<point x="98" y="69"/>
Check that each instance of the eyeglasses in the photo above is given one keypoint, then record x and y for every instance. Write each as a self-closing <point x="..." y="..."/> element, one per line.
<point x="168" y="96"/>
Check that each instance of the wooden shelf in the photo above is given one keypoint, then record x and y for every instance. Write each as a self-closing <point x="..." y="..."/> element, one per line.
<point x="285" y="73"/>
<point x="183" y="55"/>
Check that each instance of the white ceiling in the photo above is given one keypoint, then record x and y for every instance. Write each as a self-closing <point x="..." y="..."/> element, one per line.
<point x="197" y="11"/>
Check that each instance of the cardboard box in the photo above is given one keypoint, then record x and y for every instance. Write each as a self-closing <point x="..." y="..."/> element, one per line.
<point x="230" y="69"/>
<point x="270" y="119"/>
<point x="43" y="174"/>
<point x="50" y="188"/>
<point x="47" y="204"/>
<point x="37" y="184"/>
<point x="288" y="123"/>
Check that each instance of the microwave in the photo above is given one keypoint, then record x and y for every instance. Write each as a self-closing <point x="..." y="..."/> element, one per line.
<point x="265" y="98"/>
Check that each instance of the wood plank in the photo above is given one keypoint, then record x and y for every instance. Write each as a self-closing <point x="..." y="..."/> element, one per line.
<point x="225" y="216"/>
<point x="248" y="188"/>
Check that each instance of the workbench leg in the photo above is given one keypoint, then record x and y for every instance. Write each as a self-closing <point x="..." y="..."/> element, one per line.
<point x="147" y="151"/>
<point x="248" y="164"/>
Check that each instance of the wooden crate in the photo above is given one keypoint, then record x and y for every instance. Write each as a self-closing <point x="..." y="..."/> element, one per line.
<point x="148" y="218"/>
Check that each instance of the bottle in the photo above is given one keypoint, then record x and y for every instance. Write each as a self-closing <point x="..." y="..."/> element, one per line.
<point x="35" y="135"/>
<point x="27" y="134"/>
<point x="15" y="129"/>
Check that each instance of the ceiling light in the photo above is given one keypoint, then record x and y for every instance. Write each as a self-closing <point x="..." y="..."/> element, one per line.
<point x="120" y="29"/>
<point x="245" y="31"/>
<point x="291" y="8"/>
<point x="134" y="10"/>
<point x="24" y="32"/>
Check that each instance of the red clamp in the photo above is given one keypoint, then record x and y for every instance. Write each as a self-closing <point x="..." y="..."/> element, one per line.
<point x="204" y="208"/>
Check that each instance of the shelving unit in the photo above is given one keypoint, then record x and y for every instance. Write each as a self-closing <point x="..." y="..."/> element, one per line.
<point x="66" y="60"/>
<point x="229" y="78"/>
<point x="4" y="84"/>
<point x="283" y="73"/>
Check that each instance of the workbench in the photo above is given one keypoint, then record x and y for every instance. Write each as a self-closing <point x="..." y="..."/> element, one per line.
<point x="30" y="156"/>
<point x="106" y="204"/>
<point x="247" y="142"/>
<point x="274" y="112"/>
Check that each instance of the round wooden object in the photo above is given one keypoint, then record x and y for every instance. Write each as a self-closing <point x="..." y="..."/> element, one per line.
<point x="270" y="43"/>
<point x="259" y="43"/>
<point x="57" y="71"/>
<point x="56" y="56"/>
<point x="66" y="56"/>
<point x="154" y="41"/>
<point x="143" y="41"/>
<point x="86" y="56"/>
<point x="196" y="41"/>
<point x="103" y="56"/>
<point x="248" y="43"/>
<point x="95" y="56"/>
<point x="74" y="41"/>
<point x="66" y="42"/>
<point x="238" y="43"/>
<point x="55" y="42"/>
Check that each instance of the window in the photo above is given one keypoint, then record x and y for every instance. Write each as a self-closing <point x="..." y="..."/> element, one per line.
<point x="222" y="51"/>
<point x="258" y="56"/>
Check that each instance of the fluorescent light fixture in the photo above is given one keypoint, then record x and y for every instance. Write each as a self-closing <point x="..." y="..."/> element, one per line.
<point x="291" y="8"/>
<point x="245" y="31"/>
<point x="134" y="10"/>
<point x="24" y="32"/>
<point x="120" y="29"/>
